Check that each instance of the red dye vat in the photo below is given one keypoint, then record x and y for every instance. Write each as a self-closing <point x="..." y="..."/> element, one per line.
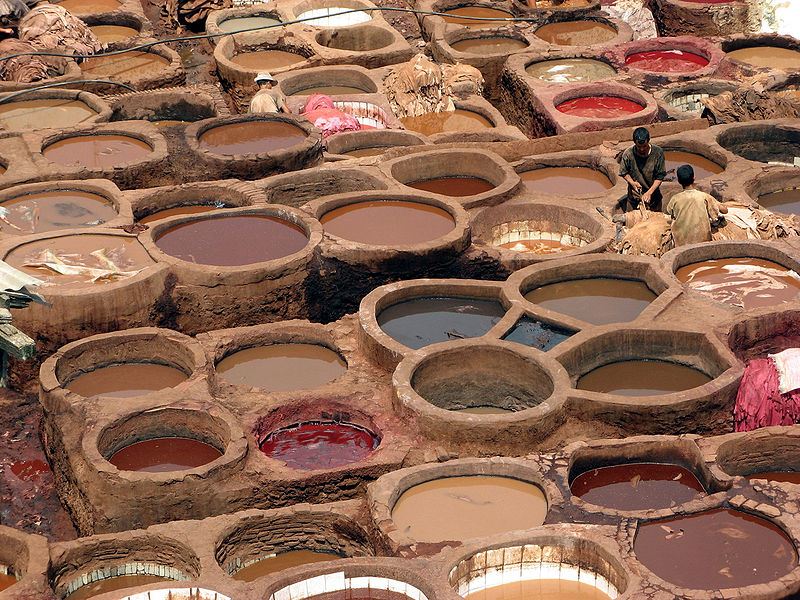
<point x="28" y="469"/>
<point x="310" y="446"/>
<point x="600" y="107"/>
<point x="667" y="61"/>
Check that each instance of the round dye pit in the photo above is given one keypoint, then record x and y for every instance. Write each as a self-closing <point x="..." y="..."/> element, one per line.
<point x="637" y="486"/>
<point x="767" y="57"/>
<point x="357" y="39"/>
<point x="747" y="283"/>
<point x="600" y="107"/>
<point x="126" y="380"/>
<point x="570" y="70"/>
<point x="51" y="211"/>
<point x="6" y="581"/>
<point x="90" y="7"/>
<point x="597" y="300"/>
<point x="54" y="113"/>
<point x="113" y="33"/>
<point x="282" y="367"/>
<point x="165" y="454"/>
<point x="251" y="137"/>
<point x="785" y="201"/>
<point x="388" y="222"/>
<point x="127" y="66"/>
<point x="112" y="584"/>
<point x="544" y="588"/>
<point x="702" y="166"/>
<point x="364" y="152"/>
<point x="489" y="45"/>
<point x="423" y="321"/>
<point x="718" y="549"/>
<point x="576" y="33"/>
<point x="81" y="259"/>
<point x="279" y="562"/>
<point x="666" y="61"/>
<point x="97" y="151"/>
<point x="459" y="508"/>
<point x="178" y="211"/>
<point x="237" y="24"/>
<point x="232" y="240"/>
<point x="555" y="180"/>
<point x="453" y="120"/>
<point x="453" y="186"/>
<point x="311" y="446"/>
<point x="482" y="16"/>
<point x="642" y="378"/>
<point x="777" y="476"/>
<point x="334" y="17"/>
<point x="267" y="60"/>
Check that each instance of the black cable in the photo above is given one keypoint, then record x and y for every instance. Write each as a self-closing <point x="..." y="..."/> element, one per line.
<point x="5" y="99"/>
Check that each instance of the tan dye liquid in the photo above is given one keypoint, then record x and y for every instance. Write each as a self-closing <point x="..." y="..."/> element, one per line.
<point x="112" y="584"/>
<point x="642" y="378"/>
<point x="127" y="66"/>
<point x="240" y="23"/>
<point x="540" y="589"/>
<point x="702" y="166"/>
<point x="330" y="90"/>
<point x="51" y="211"/>
<point x="576" y="33"/>
<point x="125" y="381"/>
<point x="97" y="151"/>
<point x="561" y="180"/>
<point x="769" y="57"/>
<point x="570" y="70"/>
<point x="90" y="7"/>
<point x="53" y="113"/>
<point x="454" y="120"/>
<point x="279" y="562"/>
<point x="363" y="152"/>
<point x="266" y="60"/>
<point x="177" y="211"/>
<point x="485" y="12"/>
<point x="113" y="33"/>
<point x="489" y="45"/>
<point x="251" y="137"/>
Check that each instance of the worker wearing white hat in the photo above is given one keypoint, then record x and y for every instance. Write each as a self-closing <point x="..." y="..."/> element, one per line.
<point x="267" y="99"/>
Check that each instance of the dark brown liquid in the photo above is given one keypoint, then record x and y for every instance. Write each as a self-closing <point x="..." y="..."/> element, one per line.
<point x="785" y="201"/>
<point x="177" y="211"/>
<point x="6" y="581"/>
<point x="770" y="57"/>
<point x="642" y="378"/>
<point x="127" y="66"/>
<point x="598" y="300"/>
<point x="537" y="246"/>
<point x="637" y="486"/>
<point x="702" y="166"/>
<point x="279" y="562"/>
<point x="266" y="60"/>
<point x="97" y="151"/>
<point x="489" y="45"/>
<point x="571" y="70"/>
<point x="459" y="508"/>
<point x="566" y="180"/>
<point x="452" y="120"/>
<point x="113" y="33"/>
<point x="777" y="476"/>
<point x="125" y="381"/>
<point x="114" y="583"/>
<point x="453" y="186"/>
<point x="717" y="549"/>
<point x="50" y="211"/>
<point x="329" y="90"/>
<point x="744" y="282"/>
<point x="251" y="137"/>
<point x="233" y="240"/>
<point x="576" y="33"/>
<point x="540" y="589"/>
<point x="388" y="222"/>
<point x="282" y="367"/>
<point x="90" y="7"/>
<point x="44" y="113"/>
<point x="453" y="16"/>
<point x="160" y="455"/>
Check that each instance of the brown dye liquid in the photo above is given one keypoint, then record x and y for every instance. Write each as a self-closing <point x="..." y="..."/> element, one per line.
<point x="282" y="367"/>
<point x="540" y="589"/>
<point x="777" y="476"/>
<point x="485" y="12"/>
<point x="637" y="486"/>
<point x="489" y="45"/>
<point x="90" y="7"/>
<point x="716" y="549"/>
<point x="770" y="57"/>
<point x="330" y="90"/>
<point x="785" y="201"/>
<point x="576" y="33"/>
<point x="571" y="70"/>
<point x="50" y="211"/>
<point x="251" y="137"/>
<point x="6" y="581"/>
<point x="744" y="282"/>
<point x="233" y="240"/>
<point x="484" y="410"/>
<point x="362" y="152"/>
<point x="642" y="378"/>
<point x="113" y="33"/>
<point x="126" y="381"/>
<point x="240" y="23"/>
<point x="537" y="246"/>
<point x="388" y="222"/>
<point x="452" y="120"/>
<point x="453" y="186"/>
<point x="167" y="123"/>
<point x="177" y="211"/>
<point x="566" y="180"/>
<point x="125" y="252"/>
<point x="127" y="66"/>
<point x="97" y="151"/>
<point x="160" y="455"/>
<point x="266" y="60"/>
<point x="112" y="584"/>
<point x="597" y="300"/>
<point x="459" y="508"/>
<point x="702" y="166"/>
<point x="279" y="562"/>
<point x="53" y="113"/>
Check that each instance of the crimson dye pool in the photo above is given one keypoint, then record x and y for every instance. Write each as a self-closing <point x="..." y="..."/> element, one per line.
<point x="311" y="446"/>
<point x="667" y="61"/>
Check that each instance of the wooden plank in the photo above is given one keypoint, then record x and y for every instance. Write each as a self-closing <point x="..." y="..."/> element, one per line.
<point x="16" y="343"/>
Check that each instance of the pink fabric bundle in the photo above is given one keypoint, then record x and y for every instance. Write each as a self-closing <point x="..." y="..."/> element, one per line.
<point x="319" y="109"/>
<point x="760" y="403"/>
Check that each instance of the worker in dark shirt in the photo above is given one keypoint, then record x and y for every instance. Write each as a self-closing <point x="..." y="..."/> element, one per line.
<point x="642" y="166"/>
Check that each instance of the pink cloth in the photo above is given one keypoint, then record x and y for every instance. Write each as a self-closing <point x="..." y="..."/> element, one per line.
<point x="759" y="402"/>
<point x="331" y="121"/>
<point x="316" y="101"/>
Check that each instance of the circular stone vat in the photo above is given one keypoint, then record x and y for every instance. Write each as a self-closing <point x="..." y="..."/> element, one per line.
<point x="684" y="100"/>
<point x="641" y="378"/>
<point x="784" y="201"/>
<point x="453" y="120"/>
<point x="320" y="445"/>
<point x="334" y="16"/>
<point x="762" y="143"/>
<point x="773" y="457"/>
<point x="164" y="454"/>
<point x="371" y="142"/>
<point x="266" y="60"/>
<point x="717" y="549"/>
<point x="278" y="562"/>
<point x="464" y="507"/>
<point x="282" y="367"/>
<point x="453" y="186"/>
<point x="162" y="107"/>
<point x="122" y="582"/>
<point x="554" y="180"/>
<point x="487" y="45"/>
<point x="126" y="67"/>
<point x="237" y="24"/>
<point x="599" y="107"/>
<point x="703" y="167"/>
<point x="97" y="151"/>
<point x="331" y="81"/>
<point x="52" y="113"/>
<point x="51" y="211"/>
<point x="232" y="240"/>
<point x="478" y="16"/>
<point x="420" y="322"/>
<point x="767" y="57"/>
<point x="570" y="70"/>
<point x="355" y="39"/>
<point x="388" y="222"/>
<point x="666" y="61"/>
<point x="251" y="137"/>
<point x="90" y="7"/>
<point x="125" y="380"/>
<point x="372" y="581"/>
<point x="577" y="33"/>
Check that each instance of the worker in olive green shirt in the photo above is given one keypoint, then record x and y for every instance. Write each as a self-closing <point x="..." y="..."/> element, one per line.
<point x="692" y="211"/>
<point x="642" y="166"/>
